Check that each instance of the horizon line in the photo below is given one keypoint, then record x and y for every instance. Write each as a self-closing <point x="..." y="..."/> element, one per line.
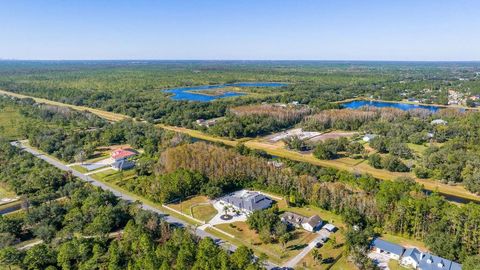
<point x="232" y="60"/>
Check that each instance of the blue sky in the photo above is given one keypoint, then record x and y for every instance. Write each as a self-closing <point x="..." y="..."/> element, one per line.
<point x="245" y="29"/>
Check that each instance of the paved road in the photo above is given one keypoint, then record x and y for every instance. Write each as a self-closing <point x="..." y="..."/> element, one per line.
<point x="126" y="197"/>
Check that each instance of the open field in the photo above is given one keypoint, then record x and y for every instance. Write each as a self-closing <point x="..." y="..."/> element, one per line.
<point x="331" y="135"/>
<point x="198" y="207"/>
<point x="457" y="191"/>
<point x="274" y="251"/>
<point x="10" y="120"/>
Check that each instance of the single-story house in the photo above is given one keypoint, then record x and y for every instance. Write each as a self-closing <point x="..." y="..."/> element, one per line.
<point x="414" y="258"/>
<point x="247" y="201"/>
<point x="120" y="157"/>
<point x="438" y="122"/>
<point x="368" y="137"/>
<point x="394" y="251"/>
<point x="309" y="224"/>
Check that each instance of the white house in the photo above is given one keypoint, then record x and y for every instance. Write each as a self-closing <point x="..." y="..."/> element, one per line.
<point x="416" y="259"/>
<point x="310" y="224"/>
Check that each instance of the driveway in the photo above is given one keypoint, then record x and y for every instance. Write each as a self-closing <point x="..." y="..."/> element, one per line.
<point x="380" y="259"/>
<point x="98" y="164"/>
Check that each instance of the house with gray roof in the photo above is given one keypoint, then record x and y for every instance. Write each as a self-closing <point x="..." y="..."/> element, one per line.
<point x="413" y="257"/>
<point x="394" y="251"/>
<point x="308" y="223"/>
<point x="247" y="201"/>
<point x="425" y="261"/>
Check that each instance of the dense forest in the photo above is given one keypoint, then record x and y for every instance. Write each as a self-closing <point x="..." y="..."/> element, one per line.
<point x="84" y="227"/>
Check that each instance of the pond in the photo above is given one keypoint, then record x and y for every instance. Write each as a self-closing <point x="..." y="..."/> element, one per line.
<point x="380" y="104"/>
<point x="185" y="93"/>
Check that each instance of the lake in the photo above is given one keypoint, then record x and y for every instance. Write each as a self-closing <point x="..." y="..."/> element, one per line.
<point x="380" y="104"/>
<point x="184" y="93"/>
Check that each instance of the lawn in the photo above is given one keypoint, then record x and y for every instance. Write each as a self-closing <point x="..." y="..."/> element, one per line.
<point x="198" y="207"/>
<point x="394" y="265"/>
<point x="275" y="252"/>
<point x="113" y="176"/>
<point x="330" y="253"/>
<point x="79" y="168"/>
<point x="5" y="192"/>
<point x="343" y="264"/>
<point x="405" y="242"/>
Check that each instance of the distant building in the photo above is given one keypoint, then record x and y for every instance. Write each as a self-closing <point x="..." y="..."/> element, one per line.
<point x="120" y="157"/>
<point x="310" y="224"/>
<point x="368" y="137"/>
<point x="207" y="123"/>
<point x="438" y="122"/>
<point x="247" y="201"/>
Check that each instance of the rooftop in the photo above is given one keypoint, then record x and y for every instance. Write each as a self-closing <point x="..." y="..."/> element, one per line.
<point x="387" y="246"/>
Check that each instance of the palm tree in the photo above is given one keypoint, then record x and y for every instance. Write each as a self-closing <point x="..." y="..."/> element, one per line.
<point x="317" y="257"/>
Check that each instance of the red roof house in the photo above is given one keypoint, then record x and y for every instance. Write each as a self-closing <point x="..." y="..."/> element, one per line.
<point x="121" y="154"/>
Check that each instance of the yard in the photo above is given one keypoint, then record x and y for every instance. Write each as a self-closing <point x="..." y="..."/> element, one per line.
<point x="198" y="207"/>
<point x="331" y="252"/>
<point x="275" y="252"/>
<point x="114" y="177"/>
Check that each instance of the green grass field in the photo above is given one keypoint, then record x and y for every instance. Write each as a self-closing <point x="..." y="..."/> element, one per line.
<point x="198" y="207"/>
<point x="10" y="121"/>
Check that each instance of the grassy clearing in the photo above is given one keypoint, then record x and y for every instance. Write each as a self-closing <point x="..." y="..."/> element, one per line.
<point x="418" y="149"/>
<point x="5" y="192"/>
<point x="113" y="176"/>
<point x="198" y="207"/>
<point x="204" y="212"/>
<point x="275" y="252"/>
<point x="404" y="241"/>
<point x="10" y="120"/>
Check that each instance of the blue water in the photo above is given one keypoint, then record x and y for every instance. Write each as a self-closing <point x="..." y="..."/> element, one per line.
<point x="182" y="94"/>
<point x="379" y="104"/>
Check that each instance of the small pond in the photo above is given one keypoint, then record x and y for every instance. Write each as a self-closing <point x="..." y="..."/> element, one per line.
<point x="380" y="104"/>
<point x="185" y="93"/>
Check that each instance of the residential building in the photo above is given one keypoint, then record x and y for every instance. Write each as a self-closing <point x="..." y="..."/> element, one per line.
<point x="310" y="224"/>
<point x="394" y="251"/>
<point x="412" y="257"/>
<point x="207" y="123"/>
<point x="247" y="201"/>
<point x="120" y="159"/>
<point x="416" y="259"/>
